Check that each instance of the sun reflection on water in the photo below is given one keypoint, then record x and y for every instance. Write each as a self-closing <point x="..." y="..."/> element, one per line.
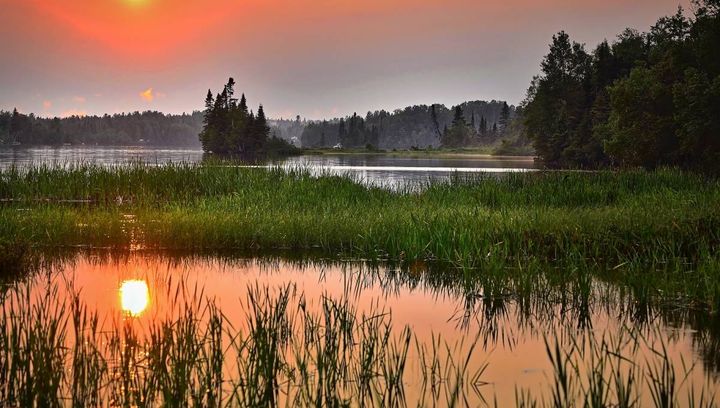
<point x="134" y="296"/>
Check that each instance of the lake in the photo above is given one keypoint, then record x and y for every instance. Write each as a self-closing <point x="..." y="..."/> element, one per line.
<point x="296" y="326"/>
<point x="391" y="170"/>
<point x="509" y="328"/>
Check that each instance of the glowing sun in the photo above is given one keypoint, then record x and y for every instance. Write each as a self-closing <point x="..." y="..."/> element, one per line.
<point x="134" y="296"/>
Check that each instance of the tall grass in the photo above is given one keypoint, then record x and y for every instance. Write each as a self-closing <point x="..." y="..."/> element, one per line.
<point x="55" y="351"/>
<point x="644" y="227"/>
<point x="286" y="352"/>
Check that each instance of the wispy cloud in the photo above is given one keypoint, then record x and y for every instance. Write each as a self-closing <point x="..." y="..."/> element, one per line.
<point x="73" y="112"/>
<point x="147" y="95"/>
<point x="79" y="99"/>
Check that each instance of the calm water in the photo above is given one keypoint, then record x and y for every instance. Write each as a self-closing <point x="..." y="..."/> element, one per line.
<point x="377" y="169"/>
<point x="511" y="327"/>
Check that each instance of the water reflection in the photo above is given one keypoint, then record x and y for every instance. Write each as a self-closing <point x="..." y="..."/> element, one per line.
<point x="510" y="313"/>
<point x="134" y="296"/>
<point x="386" y="170"/>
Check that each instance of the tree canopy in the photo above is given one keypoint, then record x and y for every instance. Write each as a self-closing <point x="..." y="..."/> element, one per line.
<point x="417" y="126"/>
<point x="228" y="126"/>
<point x="648" y="99"/>
<point x="127" y="129"/>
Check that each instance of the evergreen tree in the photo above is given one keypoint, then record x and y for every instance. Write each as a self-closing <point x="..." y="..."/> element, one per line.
<point x="261" y="129"/>
<point x="483" y="126"/>
<point x="459" y="118"/>
<point x="15" y="126"/>
<point x="434" y="119"/>
<point x="557" y="111"/>
<point x="243" y="104"/>
<point x="342" y="133"/>
<point x="459" y="134"/>
<point x="504" y="117"/>
<point x="230" y="129"/>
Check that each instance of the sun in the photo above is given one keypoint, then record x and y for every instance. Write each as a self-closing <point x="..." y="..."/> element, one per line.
<point x="134" y="297"/>
<point x="136" y="3"/>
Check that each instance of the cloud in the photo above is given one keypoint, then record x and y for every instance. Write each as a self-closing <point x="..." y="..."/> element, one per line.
<point x="79" y="99"/>
<point x="147" y="95"/>
<point x="47" y="105"/>
<point x="73" y="112"/>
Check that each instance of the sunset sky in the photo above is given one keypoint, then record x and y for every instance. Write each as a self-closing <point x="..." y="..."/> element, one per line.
<point x="315" y="58"/>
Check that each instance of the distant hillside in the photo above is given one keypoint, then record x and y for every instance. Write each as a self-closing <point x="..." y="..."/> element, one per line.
<point x="411" y="127"/>
<point x="403" y="128"/>
<point x="146" y="128"/>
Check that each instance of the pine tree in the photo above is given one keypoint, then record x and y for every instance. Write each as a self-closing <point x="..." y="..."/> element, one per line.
<point x="434" y="119"/>
<point x="260" y="129"/>
<point x="228" y="127"/>
<point x="459" y="118"/>
<point x="504" y="117"/>
<point x="243" y="104"/>
<point x="459" y="134"/>
<point x="342" y="132"/>
<point x="206" y="134"/>
<point x="15" y="126"/>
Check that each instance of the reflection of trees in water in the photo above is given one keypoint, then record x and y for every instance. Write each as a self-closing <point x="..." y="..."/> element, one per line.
<point x="502" y="306"/>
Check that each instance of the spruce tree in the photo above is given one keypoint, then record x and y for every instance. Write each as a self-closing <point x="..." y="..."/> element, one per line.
<point x="342" y="132"/>
<point x="228" y="127"/>
<point x="434" y="119"/>
<point x="504" y="117"/>
<point x="261" y="130"/>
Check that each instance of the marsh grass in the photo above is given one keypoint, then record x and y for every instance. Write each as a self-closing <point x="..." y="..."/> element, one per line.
<point x="288" y="351"/>
<point x="658" y="232"/>
<point x="56" y="352"/>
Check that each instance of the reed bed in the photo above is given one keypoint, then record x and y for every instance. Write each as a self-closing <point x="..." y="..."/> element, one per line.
<point x="287" y="351"/>
<point x="656" y="231"/>
<point x="57" y="352"/>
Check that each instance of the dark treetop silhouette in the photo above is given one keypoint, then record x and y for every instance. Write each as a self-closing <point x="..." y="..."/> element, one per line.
<point x="648" y="99"/>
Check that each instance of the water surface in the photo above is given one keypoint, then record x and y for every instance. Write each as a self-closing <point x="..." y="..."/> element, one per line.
<point x="511" y="326"/>
<point x="393" y="170"/>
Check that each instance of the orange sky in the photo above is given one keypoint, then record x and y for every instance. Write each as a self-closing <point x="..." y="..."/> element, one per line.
<point x="316" y="58"/>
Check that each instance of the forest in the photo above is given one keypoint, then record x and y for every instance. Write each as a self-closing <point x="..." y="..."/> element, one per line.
<point x="645" y="100"/>
<point x="420" y="126"/>
<point x="473" y="123"/>
<point x="146" y="128"/>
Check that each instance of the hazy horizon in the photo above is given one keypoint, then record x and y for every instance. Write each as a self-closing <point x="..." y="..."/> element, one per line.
<point x="314" y="58"/>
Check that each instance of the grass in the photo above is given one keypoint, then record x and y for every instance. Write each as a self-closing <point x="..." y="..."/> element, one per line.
<point x="656" y="231"/>
<point x="55" y="351"/>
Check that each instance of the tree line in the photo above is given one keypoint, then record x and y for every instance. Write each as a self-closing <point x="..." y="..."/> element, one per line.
<point x="647" y="99"/>
<point x="475" y="123"/>
<point x="146" y="128"/>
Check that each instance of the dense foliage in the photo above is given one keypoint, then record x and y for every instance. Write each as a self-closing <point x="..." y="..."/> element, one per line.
<point x="146" y="128"/>
<point x="647" y="99"/>
<point x="229" y="128"/>
<point x="415" y="126"/>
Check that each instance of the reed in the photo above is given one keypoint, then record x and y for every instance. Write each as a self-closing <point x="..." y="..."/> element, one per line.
<point x="56" y="351"/>
<point x="658" y="232"/>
